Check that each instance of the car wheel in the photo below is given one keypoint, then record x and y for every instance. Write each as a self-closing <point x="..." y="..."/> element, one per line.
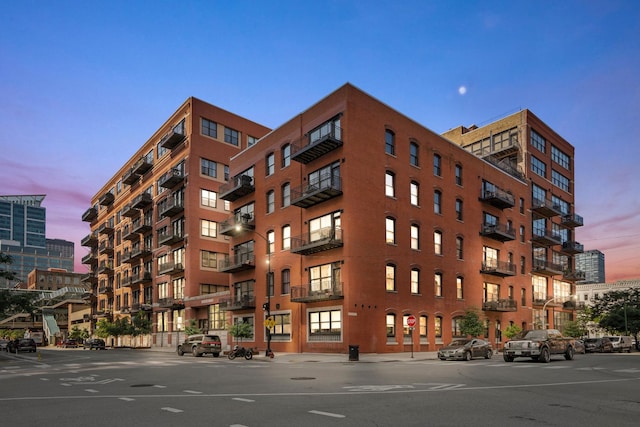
<point x="216" y="354"/>
<point x="489" y="354"/>
<point x="195" y="353"/>
<point x="507" y="359"/>
<point x="545" y="356"/>
<point x="180" y="352"/>
<point x="569" y="353"/>
<point x="467" y="356"/>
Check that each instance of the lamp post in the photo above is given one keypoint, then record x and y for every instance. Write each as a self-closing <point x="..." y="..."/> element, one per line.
<point x="268" y="283"/>
<point x="544" y="308"/>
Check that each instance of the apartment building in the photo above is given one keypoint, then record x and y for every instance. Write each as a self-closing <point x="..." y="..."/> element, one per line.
<point x="351" y="220"/>
<point x="592" y="263"/>
<point x="154" y="244"/>
<point x="525" y="146"/>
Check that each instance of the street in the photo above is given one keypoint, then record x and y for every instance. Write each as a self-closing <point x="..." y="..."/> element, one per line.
<point x="145" y="388"/>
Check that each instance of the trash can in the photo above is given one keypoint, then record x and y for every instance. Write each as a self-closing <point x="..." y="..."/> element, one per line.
<point x="354" y="353"/>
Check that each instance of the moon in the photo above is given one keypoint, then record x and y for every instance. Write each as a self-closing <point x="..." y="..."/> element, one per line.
<point x="462" y="90"/>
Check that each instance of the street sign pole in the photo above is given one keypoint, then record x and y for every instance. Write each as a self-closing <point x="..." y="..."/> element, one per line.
<point x="411" y="323"/>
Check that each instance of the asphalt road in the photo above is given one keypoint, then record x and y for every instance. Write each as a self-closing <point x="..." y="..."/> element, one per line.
<point x="144" y="388"/>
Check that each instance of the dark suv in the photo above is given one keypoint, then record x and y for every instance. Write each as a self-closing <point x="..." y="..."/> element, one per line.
<point x="200" y="344"/>
<point x="22" y="344"/>
<point x="96" y="343"/>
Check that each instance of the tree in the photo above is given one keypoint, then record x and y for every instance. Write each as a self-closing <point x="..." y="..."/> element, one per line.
<point x="471" y="324"/>
<point x="512" y="331"/>
<point x="78" y="334"/>
<point x="140" y="324"/>
<point x="103" y="328"/>
<point x="241" y="330"/>
<point x="618" y="311"/>
<point x="6" y="259"/>
<point x="191" y="329"/>
<point x="574" y="329"/>
<point x="14" y="302"/>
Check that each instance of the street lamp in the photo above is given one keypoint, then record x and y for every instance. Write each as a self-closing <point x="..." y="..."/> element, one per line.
<point x="544" y="307"/>
<point x="268" y="283"/>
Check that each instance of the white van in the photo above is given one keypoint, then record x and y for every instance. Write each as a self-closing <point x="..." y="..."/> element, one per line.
<point x="621" y="343"/>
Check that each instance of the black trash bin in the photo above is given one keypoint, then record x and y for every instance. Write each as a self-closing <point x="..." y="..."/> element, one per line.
<point x="354" y="353"/>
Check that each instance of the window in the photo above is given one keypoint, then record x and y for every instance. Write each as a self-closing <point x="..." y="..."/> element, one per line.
<point x="437" y="242"/>
<point x="414" y="192"/>
<point x="270" y="284"/>
<point x="415" y="281"/>
<point x="522" y="233"/>
<point x="538" y="141"/>
<point x="438" y="284"/>
<point x="208" y="198"/>
<point x="415" y="237"/>
<point x="560" y="180"/>
<point x="391" y="328"/>
<point x="437" y="165"/>
<point x="539" y="195"/>
<point x="390" y="278"/>
<point x="286" y="195"/>
<point x="286" y="237"/>
<point x="459" y="248"/>
<point x="208" y="168"/>
<point x="330" y="128"/>
<point x="209" y="259"/>
<point x="459" y="287"/>
<point x="325" y="325"/>
<point x="560" y="158"/>
<point x="491" y="292"/>
<point x="271" y="239"/>
<point x="271" y="201"/>
<point x="456" y="324"/>
<point x="209" y="128"/>
<point x="286" y="282"/>
<point x="270" y="164"/>
<point x="538" y="166"/>
<point x="226" y="173"/>
<point x="390" y="230"/>
<point x="458" y="175"/>
<point x="231" y="136"/>
<point x="423" y="328"/>
<point x="282" y="328"/>
<point x="326" y="177"/>
<point x="390" y="142"/>
<point x="459" y="209"/>
<point x="437" y="202"/>
<point x="208" y="228"/>
<point x="251" y="140"/>
<point x="325" y="278"/>
<point x="326" y="226"/>
<point x="413" y="154"/>
<point x="389" y="184"/>
<point x="286" y="155"/>
<point x="523" y="266"/>
<point x="490" y="257"/>
<point x="438" y="327"/>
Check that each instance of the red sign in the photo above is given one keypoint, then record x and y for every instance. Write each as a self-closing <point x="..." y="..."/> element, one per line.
<point x="411" y="321"/>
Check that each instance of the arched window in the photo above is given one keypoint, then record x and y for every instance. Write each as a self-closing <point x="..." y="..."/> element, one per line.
<point x="391" y="328"/>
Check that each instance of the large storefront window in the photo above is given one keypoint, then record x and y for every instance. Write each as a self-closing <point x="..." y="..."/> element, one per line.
<point x="325" y="325"/>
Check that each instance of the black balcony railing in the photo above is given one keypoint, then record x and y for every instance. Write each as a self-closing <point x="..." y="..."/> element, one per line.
<point x="170" y="268"/>
<point x="317" y="192"/>
<point x="241" y="302"/>
<point x="498" y="198"/>
<point x="573" y="275"/>
<point x="90" y="215"/>
<point x="171" y="207"/>
<point x="572" y="220"/>
<point x="143" y="165"/>
<point x="237" y="262"/>
<point x="314" y="292"/>
<point x="106" y="228"/>
<point x="500" y="232"/>
<point x="498" y="268"/>
<point x="90" y="240"/>
<point x="502" y="304"/>
<point x="141" y="201"/>
<point x="572" y="248"/>
<point x="172" y="178"/>
<point x="546" y="208"/>
<point x="237" y="224"/>
<point x="317" y="145"/>
<point x="106" y="199"/>
<point x="317" y="241"/>
<point x="546" y="238"/>
<point x="170" y="238"/>
<point x="171" y="139"/>
<point x="238" y="186"/>
<point x="547" y="268"/>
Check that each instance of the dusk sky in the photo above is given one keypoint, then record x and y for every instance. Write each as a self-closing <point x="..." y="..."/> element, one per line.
<point x="83" y="84"/>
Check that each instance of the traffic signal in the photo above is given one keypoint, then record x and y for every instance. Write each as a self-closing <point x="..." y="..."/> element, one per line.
<point x="265" y="306"/>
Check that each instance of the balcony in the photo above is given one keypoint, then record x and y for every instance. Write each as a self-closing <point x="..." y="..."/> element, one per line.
<point x="136" y="279"/>
<point x="129" y="211"/>
<point x="171" y="268"/>
<point x="130" y="177"/>
<point x="546" y="268"/>
<point x="309" y="195"/>
<point x="171" y="303"/>
<point x="573" y="275"/>
<point x="572" y="220"/>
<point x="141" y="201"/>
<point x="172" y="178"/>
<point x="326" y="143"/>
<point x="105" y="289"/>
<point x="90" y="258"/>
<point x="237" y="262"/>
<point x="313" y="293"/>
<point x="498" y="268"/>
<point x="140" y="251"/>
<point x="129" y="234"/>
<point x="572" y="248"/>
<point x="545" y="208"/>
<point x="171" y="207"/>
<point x="500" y="232"/>
<point x="90" y="215"/>
<point x="89" y="278"/>
<point x="170" y="238"/>
<point x="171" y="139"/>
<point x="142" y="226"/>
<point x="502" y="304"/>
<point x="317" y="241"/>
<point x="105" y="248"/>
<point x="136" y="307"/>
<point x="143" y="165"/>
<point x="498" y="198"/>
<point x="239" y="186"/>
<point x="106" y="267"/>
<point x="90" y="240"/>
<point x="237" y="224"/>
<point x="243" y="302"/>
<point x="106" y="199"/>
<point x="126" y="257"/>
<point x="106" y="228"/>
<point x="546" y="238"/>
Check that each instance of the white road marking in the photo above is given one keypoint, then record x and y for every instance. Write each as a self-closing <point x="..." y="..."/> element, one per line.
<point x="90" y="390"/>
<point x="327" y="414"/>
<point x="126" y="399"/>
<point x="66" y="384"/>
<point x="160" y="386"/>
<point x="174" y="410"/>
<point x="44" y="379"/>
<point x="240" y="399"/>
<point x="192" y="391"/>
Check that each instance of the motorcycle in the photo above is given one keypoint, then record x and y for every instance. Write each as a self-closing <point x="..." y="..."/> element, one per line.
<point x="240" y="352"/>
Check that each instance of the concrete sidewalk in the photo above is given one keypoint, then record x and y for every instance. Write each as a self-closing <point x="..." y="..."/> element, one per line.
<point x="342" y="358"/>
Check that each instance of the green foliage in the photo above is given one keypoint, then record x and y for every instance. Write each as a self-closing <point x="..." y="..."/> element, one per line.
<point x="140" y="324"/>
<point x="471" y="323"/>
<point x="618" y="311"/>
<point x="192" y="329"/>
<point x="78" y="334"/>
<point x="6" y="259"/>
<point x="512" y="330"/>
<point x="574" y="329"/>
<point x="11" y="334"/>
<point x="103" y="328"/>
<point x="241" y="330"/>
<point x="14" y="302"/>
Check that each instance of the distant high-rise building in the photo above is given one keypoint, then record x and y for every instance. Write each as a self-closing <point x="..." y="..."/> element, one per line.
<point x="22" y="236"/>
<point x="592" y="264"/>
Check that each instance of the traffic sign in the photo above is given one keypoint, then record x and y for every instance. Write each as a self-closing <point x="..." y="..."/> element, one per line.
<point x="411" y="321"/>
<point x="270" y="323"/>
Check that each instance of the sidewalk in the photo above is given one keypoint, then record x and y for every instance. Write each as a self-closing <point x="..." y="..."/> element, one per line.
<point x="341" y="358"/>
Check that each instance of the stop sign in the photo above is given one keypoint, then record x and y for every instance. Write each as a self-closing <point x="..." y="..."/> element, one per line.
<point x="411" y="321"/>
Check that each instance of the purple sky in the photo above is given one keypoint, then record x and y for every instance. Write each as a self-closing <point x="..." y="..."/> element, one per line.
<point x="84" y="83"/>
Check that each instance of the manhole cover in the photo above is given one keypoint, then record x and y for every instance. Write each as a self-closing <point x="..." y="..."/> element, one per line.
<point x="141" y="385"/>
<point x="303" y="378"/>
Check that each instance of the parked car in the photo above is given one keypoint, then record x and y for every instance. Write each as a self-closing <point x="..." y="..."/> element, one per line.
<point x="68" y="343"/>
<point x="578" y="346"/>
<point x="94" y="343"/>
<point x="621" y="343"/>
<point x="466" y="349"/>
<point x="200" y="344"/>
<point x="4" y="344"/>
<point x="598" y="345"/>
<point x="22" y="344"/>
